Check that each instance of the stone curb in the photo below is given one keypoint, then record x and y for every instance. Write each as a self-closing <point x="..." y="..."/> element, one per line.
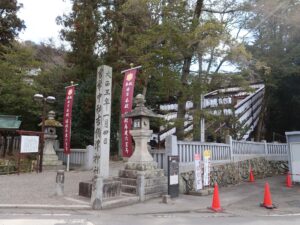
<point x="44" y="206"/>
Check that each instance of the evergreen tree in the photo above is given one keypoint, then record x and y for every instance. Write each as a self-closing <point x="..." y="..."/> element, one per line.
<point x="276" y="50"/>
<point x="16" y="94"/>
<point x="10" y="24"/>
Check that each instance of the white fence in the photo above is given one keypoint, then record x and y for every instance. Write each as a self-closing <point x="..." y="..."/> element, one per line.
<point x="78" y="157"/>
<point x="187" y="150"/>
<point x="221" y="153"/>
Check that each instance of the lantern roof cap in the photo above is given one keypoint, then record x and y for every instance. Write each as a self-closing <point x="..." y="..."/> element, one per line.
<point x="140" y="109"/>
<point x="51" y="121"/>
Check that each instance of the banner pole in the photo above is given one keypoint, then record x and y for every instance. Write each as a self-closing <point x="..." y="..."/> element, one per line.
<point x="68" y="119"/>
<point x="68" y="162"/>
<point x="126" y="106"/>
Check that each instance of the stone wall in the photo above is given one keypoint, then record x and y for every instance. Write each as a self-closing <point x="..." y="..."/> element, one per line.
<point x="236" y="172"/>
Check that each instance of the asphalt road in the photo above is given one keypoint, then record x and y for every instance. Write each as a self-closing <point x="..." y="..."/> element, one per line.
<point x="28" y="200"/>
<point x="46" y="217"/>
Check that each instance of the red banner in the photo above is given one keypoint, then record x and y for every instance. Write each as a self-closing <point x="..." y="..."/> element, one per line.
<point x="126" y="106"/>
<point x="68" y="117"/>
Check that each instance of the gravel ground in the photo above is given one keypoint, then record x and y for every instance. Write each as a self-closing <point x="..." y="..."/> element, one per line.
<point x="39" y="188"/>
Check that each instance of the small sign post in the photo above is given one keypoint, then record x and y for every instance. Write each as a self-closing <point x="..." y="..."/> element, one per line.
<point x="198" y="172"/>
<point x="206" y="161"/>
<point x="173" y="176"/>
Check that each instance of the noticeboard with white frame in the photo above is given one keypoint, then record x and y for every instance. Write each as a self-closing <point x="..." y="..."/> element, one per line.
<point x="29" y="144"/>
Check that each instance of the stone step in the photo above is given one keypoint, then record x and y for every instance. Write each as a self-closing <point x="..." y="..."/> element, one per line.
<point x="128" y="189"/>
<point x="154" y="195"/>
<point x="53" y="167"/>
<point x="148" y="182"/>
<point x="155" y="189"/>
<point x="128" y="181"/>
<point x="156" y="181"/>
<point x="148" y="173"/>
<point x="119" y="202"/>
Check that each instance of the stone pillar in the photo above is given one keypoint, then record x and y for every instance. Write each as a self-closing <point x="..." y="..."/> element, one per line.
<point x="102" y="186"/>
<point x="50" y="159"/>
<point x="60" y="180"/>
<point x="97" y="194"/>
<point x="141" y="153"/>
<point x="141" y="186"/>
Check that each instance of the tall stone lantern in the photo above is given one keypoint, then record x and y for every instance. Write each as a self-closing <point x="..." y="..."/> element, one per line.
<point x="141" y="175"/>
<point x="50" y="159"/>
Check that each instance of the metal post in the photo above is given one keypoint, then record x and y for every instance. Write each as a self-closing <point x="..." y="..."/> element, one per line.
<point x="68" y="162"/>
<point x="43" y="136"/>
<point x="202" y="122"/>
<point x="229" y="142"/>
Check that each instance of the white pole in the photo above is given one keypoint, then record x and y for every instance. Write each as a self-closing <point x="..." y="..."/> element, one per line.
<point x="202" y="122"/>
<point x="68" y="162"/>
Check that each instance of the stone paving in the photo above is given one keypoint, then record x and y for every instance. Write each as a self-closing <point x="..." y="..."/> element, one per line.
<point x="39" y="188"/>
<point x="37" y="191"/>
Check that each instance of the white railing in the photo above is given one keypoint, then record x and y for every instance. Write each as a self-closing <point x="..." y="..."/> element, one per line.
<point x="78" y="157"/>
<point x="159" y="156"/>
<point x="221" y="153"/>
<point x="276" y="151"/>
<point x="248" y="147"/>
<point x="187" y="150"/>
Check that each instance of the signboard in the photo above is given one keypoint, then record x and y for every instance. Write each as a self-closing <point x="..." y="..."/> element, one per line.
<point x="126" y="106"/>
<point x="173" y="176"/>
<point x="102" y="122"/>
<point x="68" y="117"/>
<point x="206" y="162"/>
<point x="29" y="144"/>
<point x="198" y="172"/>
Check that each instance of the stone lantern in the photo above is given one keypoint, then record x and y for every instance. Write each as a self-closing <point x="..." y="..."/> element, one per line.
<point x="141" y="175"/>
<point x="141" y="132"/>
<point x="50" y="159"/>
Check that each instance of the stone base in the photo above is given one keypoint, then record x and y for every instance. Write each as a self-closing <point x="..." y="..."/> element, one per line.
<point x="51" y="161"/>
<point x="154" y="184"/>
<point x="141" y="166"/>
<point x="204" y="192"/>
<point x="53" y="167"/>
<point x="111" y="188"/>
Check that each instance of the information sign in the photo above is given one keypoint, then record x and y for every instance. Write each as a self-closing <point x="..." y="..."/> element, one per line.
<point x="29" y="144"/>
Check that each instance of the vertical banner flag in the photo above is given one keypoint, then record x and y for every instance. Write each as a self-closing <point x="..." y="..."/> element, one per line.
<point x="126" y="106"/>
<point x="68" y="117"/>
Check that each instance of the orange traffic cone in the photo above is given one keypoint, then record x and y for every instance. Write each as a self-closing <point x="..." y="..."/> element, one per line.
<point x="251" y="176"/>
<point x="267" y="198"/>
<point x="288" y="180"/>
<point x="216" y="206"/>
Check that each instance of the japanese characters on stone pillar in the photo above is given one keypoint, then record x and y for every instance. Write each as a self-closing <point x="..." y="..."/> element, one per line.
<point x="102" y="122"/>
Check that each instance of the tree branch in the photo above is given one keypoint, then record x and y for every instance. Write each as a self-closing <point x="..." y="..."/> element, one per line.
<point x="198" y="9"/>
<point x="221" y="12"/>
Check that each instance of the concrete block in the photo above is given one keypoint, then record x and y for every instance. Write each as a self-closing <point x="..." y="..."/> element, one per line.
<point x="166" y="199"/>
<point x="111" y="188"/>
